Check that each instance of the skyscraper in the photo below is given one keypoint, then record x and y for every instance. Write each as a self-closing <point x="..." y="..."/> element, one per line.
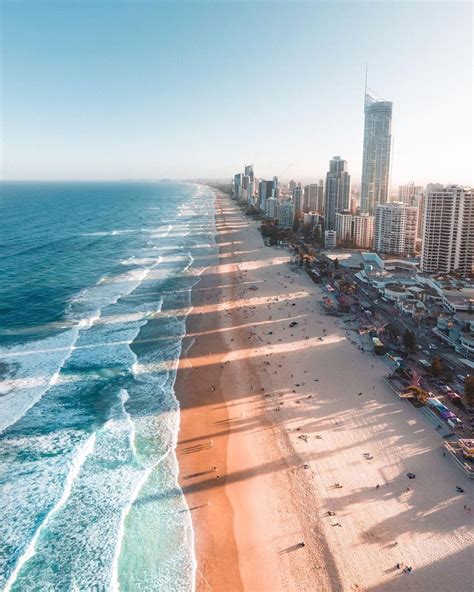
<point x="395" y="228"/>
<point x="320" y="207"/>
<point x="249" y="172"/>
<point x="376" y="154"/>
<point x="298" y="199"/>
<point x="338" y="186"/>
<point x="286" y="214"/>
<point x="448" y="231"/>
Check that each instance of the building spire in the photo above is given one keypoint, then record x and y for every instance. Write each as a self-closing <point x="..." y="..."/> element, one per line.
<point x="365" y="87"/>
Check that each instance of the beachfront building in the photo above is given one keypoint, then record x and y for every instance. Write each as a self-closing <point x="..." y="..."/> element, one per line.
<point x="271" y="208"/>
<point x="407" y="193"/>
<point x="395" y="228"/>
<point x="329" y="239"/>
<point x="286" y="214"/>
<point x="237" y="190"/>
<point x="338" y="187"/>
<point x="343" y="227"/>
<point x="448" y="231"/>
<point x="376" y="154"/>
<point x="363" y="231"/>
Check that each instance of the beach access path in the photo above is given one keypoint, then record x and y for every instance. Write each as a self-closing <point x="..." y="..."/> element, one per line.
<point x="273" y="417"/>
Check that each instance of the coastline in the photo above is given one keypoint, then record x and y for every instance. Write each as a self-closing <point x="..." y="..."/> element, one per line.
<point x="270" y="421"/>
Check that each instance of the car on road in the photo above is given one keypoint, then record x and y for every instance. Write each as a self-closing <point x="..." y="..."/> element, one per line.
<point x="461" y="377"/>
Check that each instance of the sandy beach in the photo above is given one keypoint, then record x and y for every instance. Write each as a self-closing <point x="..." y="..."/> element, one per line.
<point x="273" y="417"/>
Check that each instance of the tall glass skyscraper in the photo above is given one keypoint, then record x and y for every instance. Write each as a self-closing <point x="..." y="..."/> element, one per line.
<point x="338" y="190"/>
<point x="376" y="157"/>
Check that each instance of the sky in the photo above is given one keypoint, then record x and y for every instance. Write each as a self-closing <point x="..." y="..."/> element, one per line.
<point x="148" y="89"/>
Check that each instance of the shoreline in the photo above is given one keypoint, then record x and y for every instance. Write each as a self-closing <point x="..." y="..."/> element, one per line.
<point x="269" y="423"/>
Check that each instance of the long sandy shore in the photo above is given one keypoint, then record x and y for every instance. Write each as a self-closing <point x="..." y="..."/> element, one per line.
<point x="273" y="417"/>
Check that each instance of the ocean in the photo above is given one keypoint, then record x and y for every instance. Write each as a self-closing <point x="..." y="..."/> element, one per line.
<point x="95" y="287"/>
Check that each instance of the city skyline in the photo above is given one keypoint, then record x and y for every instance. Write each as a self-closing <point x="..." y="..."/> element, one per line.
<point x="80" y="104"/>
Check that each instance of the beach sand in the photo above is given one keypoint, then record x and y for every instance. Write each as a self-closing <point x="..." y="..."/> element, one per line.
<point x="272" y="419"/>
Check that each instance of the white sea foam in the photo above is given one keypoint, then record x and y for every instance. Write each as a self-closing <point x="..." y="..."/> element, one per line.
<point x="81" y="454"/>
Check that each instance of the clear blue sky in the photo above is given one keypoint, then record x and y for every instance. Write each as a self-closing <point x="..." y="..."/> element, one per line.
<point x="126" y="89"/>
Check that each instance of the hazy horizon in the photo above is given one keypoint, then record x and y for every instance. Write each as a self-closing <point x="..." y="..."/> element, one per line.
<point x="151" y="90"/>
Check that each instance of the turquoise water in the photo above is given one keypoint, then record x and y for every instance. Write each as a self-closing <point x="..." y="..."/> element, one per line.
<point x="96" y="284"/>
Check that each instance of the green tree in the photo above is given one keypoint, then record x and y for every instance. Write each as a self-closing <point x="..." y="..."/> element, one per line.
<point x="409" y="340"/>
<point x="336" y="263"/>
<point x="469" y="390"/>
<point x="436" y="368"/>
<point x="392" y="331"/>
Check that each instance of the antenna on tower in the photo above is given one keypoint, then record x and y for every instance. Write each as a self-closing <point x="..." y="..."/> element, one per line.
<point x="365" y="87"/>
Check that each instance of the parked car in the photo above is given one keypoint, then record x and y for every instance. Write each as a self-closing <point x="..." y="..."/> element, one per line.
<point x="461" y="377"/>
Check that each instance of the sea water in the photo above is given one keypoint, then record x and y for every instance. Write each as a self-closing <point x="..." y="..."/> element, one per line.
<point x="95" y="286"/>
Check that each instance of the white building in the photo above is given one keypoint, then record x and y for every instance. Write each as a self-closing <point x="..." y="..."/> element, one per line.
<point x="286" y="214"/>
<point x="448" y="231"/>
<point x="395" y="228"/>
<point x="271" y="208"/>
<point x="363" y="231"/>
<point x="344" y="227"/>
<point x="329" y="239"/>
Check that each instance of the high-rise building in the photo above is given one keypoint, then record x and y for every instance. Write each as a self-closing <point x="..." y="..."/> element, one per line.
<point x="237" y="185"/>
<point x="292" y="185"/>
<point x="338" y="185"/>
<point x="265" y="189"/>
<point x="363" y="231"/>
<point x="286" y="214"/>
<point x="344" y="227"/>
<point x="406" y="193"/>
<point x="271" y="208"/>
<point x="320" y="206"/>
<point x="376" y="154"/>
<point x="276" y="188"/>
<point x="310" y="203"/>
<point x="251" y="193"/>
<point x="298" y="199"/>
<point x="448" y="231"/>
<point x="395" y="228"/>
<point x="249" y="172"/>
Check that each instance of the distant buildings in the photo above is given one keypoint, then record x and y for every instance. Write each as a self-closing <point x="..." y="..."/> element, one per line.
<point x="376" y="154"/>
<point x="407" y="193"/>
<point x="448" y="231"/>
<point x="395" y="228"/>
<point x="338" y="185"/>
